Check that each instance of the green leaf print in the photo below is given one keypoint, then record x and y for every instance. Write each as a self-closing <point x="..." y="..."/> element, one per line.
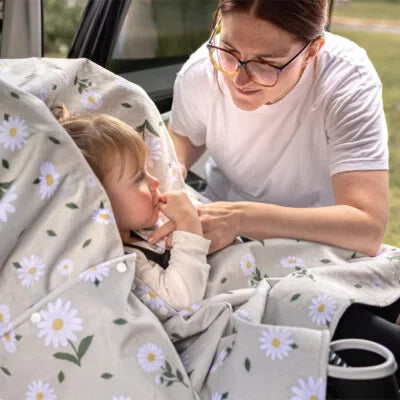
<point x="325" y="261"/>
<point x="225" y="395"/>
<point x="5" y="163"/>
<point x="54" y="87"/>
<point x="120" y="321"/>
<point x="84" y="345"/>
<point x="6" y="371"/>
<point x="17" y="265"/>
<point x="126" y="105"/>
<point x="6" y="116"/>
<point x="15" y="95"/>
<point x="87" y="242"/>
<point x="51" y="233"/>
<point x="18" y="337"/>
<point x="54" y="140"/>
<point x="247" y="364"/>
<point x="168" y="377"/>
<point x="61" y="377"/>
<point x="147" y="125"/>
<point x="295" y="297"/>
<point x="107" y="375"/>
<point x="101" y="205"/>
<point x="358" y="285"/>
<point x="223" y="280"/>
<point x="67" y="357"/>
<point x="294" y="346"/>
<point x="36" y="181"/>
<point x="6" y="185"/>
<point x="72" y="206"/>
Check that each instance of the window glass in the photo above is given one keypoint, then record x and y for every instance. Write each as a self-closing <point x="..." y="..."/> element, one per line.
<point x="159" y="32"/>
<point x="60" y="21"/>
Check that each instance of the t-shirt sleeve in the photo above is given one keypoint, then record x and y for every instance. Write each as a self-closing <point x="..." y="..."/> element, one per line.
<point x="188" y="108"/>
<point x="356" y="126"/>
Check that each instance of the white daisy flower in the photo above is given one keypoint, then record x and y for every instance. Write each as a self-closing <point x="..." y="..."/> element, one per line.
<point x="322" y="308"/>
<point x="8" y="339"/>
<point x="4" y="67"/>
<point x="123" y="83"/>
<point x="188" y="310"/>
<point x="150" y="357"/>
<point x="43" y="94"/>
<point x="13" y="133"/>
<point x="5" y="203"/>
<point x="277" y="342"/>
<point x="121" y="398"/>
<point x="31" y="270"/>
<point x="91" y="100"/>
<point x="95" y="273"/>
<point x="292" y="262"/>
<point x="174" y="170"/>
<point x="103" y="216"/>
<point x="49" y="180"/>
<point x="310" y="389"/>
<point x="219" y="360"/>
<point x="65" y="76"/>
<point x="5" y="315"/>
<point x="248" y="264"/>
<point x="40" y="390"/>
<point x="59" y="323"/>
<point x="154" y="147"/>
<point x="91" y="180"/>
<point x="216" y="396"/>
<point x="242" y="314"/>
<point x="65" y="266"/>
<point x="150" y="297"/>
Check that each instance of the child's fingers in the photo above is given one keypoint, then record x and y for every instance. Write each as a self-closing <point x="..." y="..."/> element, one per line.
<point x="162" y="231"/>
<point x="163" y="199"/>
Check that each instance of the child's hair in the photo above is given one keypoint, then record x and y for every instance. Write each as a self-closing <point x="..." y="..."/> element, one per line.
<point x="104" y="140"/>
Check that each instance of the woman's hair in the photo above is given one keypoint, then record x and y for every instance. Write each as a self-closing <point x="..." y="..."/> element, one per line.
<point x="304" y="19"/>
<point x="105" y="141"/>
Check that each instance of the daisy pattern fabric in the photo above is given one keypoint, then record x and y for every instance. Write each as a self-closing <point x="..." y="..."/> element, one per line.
<point x="69" y="302"/>
<point x="70" y="326"/>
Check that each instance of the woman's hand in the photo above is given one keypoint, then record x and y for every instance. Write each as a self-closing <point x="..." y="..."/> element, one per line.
<point x="220" y="222"/>
<point x="182" y="215"/>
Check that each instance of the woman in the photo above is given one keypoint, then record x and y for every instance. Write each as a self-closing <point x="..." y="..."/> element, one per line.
<point x="294" y="123"/>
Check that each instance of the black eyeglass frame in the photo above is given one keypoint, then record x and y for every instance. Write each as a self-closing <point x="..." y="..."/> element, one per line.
<point x="244" y="64"/>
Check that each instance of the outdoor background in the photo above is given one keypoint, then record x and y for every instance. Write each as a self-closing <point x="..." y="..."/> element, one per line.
<point x="373" y="24"/>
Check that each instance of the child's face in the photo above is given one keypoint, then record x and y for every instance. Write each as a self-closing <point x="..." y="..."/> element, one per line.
<point x="134" y="197"/>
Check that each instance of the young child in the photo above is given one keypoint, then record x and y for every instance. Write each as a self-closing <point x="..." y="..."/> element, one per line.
<point x="117" y="155"/>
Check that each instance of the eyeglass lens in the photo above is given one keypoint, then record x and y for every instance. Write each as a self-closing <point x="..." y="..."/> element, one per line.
<point x="259" y="73"/>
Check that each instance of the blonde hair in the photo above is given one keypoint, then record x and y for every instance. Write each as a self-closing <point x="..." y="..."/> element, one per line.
<point x="104" y="140"/>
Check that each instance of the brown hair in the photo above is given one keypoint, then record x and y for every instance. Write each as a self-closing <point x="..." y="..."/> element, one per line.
<point x="104" y="140"/>
<point x="304" y="19"/>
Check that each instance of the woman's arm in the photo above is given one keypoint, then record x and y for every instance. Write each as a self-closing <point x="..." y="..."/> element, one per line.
<point x="186" y="151"/>
<point x="357" y="221"/>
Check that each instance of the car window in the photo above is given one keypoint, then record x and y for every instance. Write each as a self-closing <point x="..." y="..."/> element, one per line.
<point x="157" y="36"/>
<point x="60" y="21"/>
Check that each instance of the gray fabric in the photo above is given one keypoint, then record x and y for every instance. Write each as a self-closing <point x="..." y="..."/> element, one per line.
<point x="70" y="325"/>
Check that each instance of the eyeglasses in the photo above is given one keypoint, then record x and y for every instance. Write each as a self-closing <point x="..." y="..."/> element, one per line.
<point x="260" y="72"/>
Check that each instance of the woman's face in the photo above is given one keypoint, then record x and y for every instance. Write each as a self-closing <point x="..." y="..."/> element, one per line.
<point x="254" y="39"/>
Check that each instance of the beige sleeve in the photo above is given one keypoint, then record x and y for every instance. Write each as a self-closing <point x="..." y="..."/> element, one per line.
<point x="184" y="281"/>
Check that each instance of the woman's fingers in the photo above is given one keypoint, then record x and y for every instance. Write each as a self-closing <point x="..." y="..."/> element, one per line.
<point x="162" y="231"/>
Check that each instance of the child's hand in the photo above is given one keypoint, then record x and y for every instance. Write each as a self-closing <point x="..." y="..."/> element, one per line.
<point x="182" y="216"/>
<point x="180" y="210"/>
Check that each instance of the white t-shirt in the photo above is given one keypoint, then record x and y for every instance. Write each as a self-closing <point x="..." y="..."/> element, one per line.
<point x="285" y="153"/>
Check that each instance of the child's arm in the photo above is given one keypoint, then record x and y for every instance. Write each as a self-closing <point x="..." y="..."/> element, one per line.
<point x="184" y="281"/>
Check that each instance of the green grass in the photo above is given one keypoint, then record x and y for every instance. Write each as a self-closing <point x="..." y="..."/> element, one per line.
<point x="383" y="50"/>
<point x="370" y="9"/>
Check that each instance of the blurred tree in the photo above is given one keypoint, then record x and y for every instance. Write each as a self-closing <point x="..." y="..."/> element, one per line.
<point x="61" y="19"/>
